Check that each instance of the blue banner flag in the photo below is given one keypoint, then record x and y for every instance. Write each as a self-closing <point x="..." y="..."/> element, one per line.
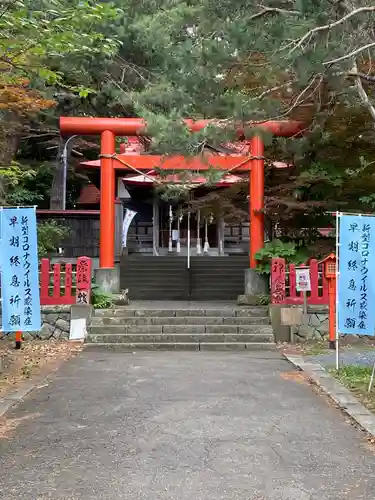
<point x="356" y="287"/>
<point x="19" y="270"/>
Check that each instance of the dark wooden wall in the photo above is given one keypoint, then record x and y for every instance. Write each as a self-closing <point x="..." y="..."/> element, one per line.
<point x="84" y="234"/>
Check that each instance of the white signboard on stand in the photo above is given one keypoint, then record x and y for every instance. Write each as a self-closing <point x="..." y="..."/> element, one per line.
<point x="303" y="282"/>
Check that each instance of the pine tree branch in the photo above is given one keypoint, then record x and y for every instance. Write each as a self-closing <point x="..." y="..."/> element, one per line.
<point x="362" y="93"/>
<point x="363" y="76"/>
<point x="271" y="90"/>
<point x="7" y="7"/>
<point x="350" y="55"/>
<point x="328" y="27"/>
<point x="273" y="10"/>
<point x="301" y="98"/>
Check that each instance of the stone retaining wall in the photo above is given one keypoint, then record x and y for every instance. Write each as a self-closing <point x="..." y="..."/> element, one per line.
<point x="289" y="319"/>
<point x="316" y="327"/>
<point x="55" y="324"/>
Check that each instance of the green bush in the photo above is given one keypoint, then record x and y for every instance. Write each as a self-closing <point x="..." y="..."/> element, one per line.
<point x="100" y="299"/>
<point x="277" y="248"/>
<point x="51" y="235"/>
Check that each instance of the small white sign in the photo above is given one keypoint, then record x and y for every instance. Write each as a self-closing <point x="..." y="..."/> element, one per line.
<point x="303" y="279"/>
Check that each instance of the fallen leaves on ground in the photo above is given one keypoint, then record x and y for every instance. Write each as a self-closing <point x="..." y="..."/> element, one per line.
<point x="298" y="377"/>
<point x="308" y="348"/>
<point x="35" y="358"/>
<point x="8" y="425"/>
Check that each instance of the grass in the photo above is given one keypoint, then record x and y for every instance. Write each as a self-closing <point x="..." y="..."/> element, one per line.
<point x="315" y="347"/>
<point x="356" y="378"/>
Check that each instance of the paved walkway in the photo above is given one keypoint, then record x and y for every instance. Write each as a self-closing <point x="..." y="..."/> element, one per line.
<point x="182" y="426"/>
<point x="353" y="355"/>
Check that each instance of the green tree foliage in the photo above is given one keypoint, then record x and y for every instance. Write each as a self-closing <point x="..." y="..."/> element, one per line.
<point x="14" y="181"/>
<point x="37" y="34"/>
<point x="232" y="61"/>
<point x="50" y="236"/>
<point x="36" y="37"/>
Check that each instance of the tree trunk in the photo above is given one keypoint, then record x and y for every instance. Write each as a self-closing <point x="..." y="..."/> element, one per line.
<point x="55" y="202"/>
<point x="56" y="199"/>
<point x="10" y="130"/>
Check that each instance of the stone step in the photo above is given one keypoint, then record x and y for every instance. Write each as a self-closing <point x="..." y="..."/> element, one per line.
<point x="167" y="268"/>
<point x="148" y="292"/>
<point x="194" y="259"/>
<point x="204" y="266"/>
<point x="208" y="279"/>
<point x="210" y="282"/>
<point x="145" y="292"/>
<point x="216" y="276"/>
<point x="191" y="346"/>
<point x="178" y="320"/>
<point x="170" y="271"/>
<point x="152" y="276"/>
<point x="129" y="312"/>
<point x="181" y="329"/>
<point x="177" y="338"/>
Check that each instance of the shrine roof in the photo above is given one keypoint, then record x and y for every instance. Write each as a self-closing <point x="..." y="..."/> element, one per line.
<point x="90" y="195"/>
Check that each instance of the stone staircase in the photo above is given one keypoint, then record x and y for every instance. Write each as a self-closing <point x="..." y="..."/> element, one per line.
<point x="197" y="329"/>
<point x="209" y="278"/>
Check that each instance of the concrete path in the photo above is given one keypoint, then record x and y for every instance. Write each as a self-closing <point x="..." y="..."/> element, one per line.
<point x="353" y="355"/>
<point x="181" y="426"/>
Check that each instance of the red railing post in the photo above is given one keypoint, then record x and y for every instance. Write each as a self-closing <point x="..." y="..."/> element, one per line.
<point x="293" y="285"/>
<point x="314" y="281"/>
<point x="56" y="282"/>
<point x="65" y="297"/>
<point x="68" y="280"/>
<point x="44" y="281"/>
<point x="279" y="271"/>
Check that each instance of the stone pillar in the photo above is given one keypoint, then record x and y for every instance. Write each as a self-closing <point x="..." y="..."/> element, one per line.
<point x="108" y="279"/>
<point x="255" y="283"/>
<point x="155" y="225"/>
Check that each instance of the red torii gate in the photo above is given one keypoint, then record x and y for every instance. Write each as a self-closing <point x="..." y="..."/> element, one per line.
<point x="109" y="128"/>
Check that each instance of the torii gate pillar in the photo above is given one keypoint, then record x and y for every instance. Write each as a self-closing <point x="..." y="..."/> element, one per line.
<point x="256" y="205"/>
<point x="107" y="201"/>
<point x="109" y="128"/>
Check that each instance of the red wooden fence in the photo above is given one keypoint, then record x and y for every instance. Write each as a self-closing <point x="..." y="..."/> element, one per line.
<point x="65" y="286"/>
<point x="283" y="284"/>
